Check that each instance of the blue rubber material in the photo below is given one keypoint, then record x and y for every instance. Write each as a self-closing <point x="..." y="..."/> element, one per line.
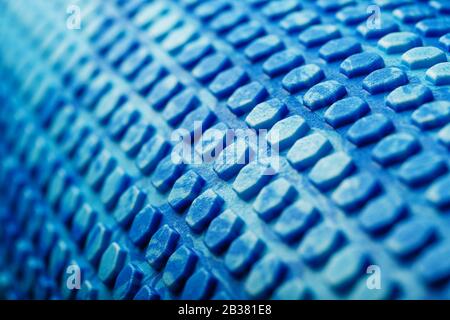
<point x="361" y="115"/>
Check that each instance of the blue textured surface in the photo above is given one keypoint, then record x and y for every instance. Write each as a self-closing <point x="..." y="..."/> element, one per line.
<point x="361" y="115"/>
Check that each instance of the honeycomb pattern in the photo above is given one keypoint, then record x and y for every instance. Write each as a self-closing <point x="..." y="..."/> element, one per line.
<point x="87" y="178"/>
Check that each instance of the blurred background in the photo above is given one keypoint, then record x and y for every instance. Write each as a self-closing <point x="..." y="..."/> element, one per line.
<point x="356" y="95"/>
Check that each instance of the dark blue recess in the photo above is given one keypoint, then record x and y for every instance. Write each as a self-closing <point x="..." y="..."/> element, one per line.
<point x="225" y="149"/>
